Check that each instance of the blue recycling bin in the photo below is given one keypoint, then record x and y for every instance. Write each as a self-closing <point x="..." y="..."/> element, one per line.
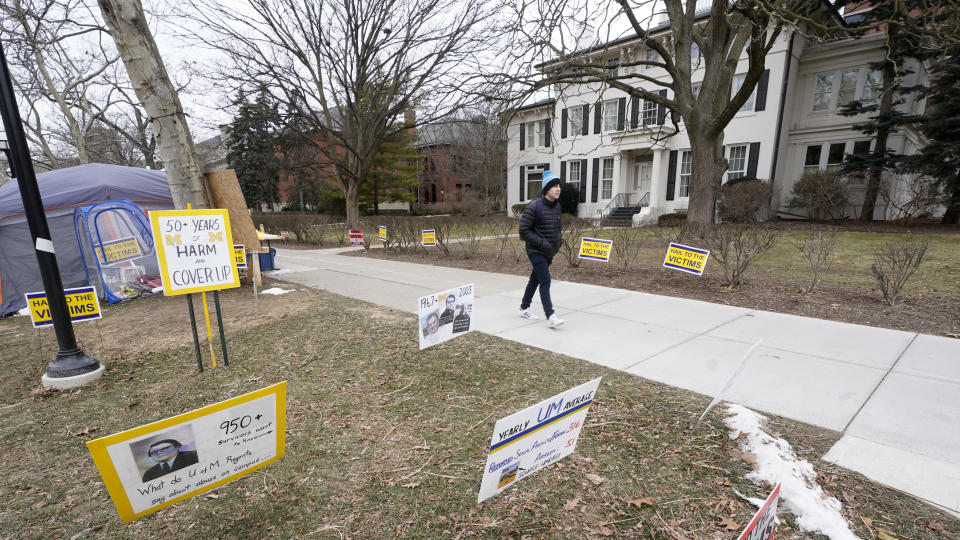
<point x="266" y="259"/>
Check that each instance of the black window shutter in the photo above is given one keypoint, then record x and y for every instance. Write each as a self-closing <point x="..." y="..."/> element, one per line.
<point x="752" y="159"/>
<point x="563" y="124"/>
<point x="661" y="110"/>
<point x="563" y="171"/>
<point x="523" y="135"/>
<point x="547" y="127"/>
<point x="595" y="187"/>
<point x="597" y="116"/>
<point x="586" y="120"/>
<point x="621" y="113"/>
<point x="522" y="184"/>
<point x="583" y="180"/>
<point x="634" y="112"/>
<point x="671" y="175"/>
<point x="761" y="102"/>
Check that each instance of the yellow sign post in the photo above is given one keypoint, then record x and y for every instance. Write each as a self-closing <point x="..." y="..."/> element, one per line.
<point x="154" y="466"/>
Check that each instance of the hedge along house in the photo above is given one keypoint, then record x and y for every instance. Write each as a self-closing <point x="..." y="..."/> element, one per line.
<point x="619" y="152"/>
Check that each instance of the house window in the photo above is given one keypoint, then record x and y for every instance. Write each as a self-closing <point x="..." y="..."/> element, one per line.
<point x="649" y="113"/>
<point x="573" y="173"/>
<point x="749" y="103"/>
<point x="811" y="162"/>
<point x="575" y="118"/>
<point x="848" y="86"/>
<point x="822" y="91"/>
<point x="738" y="162"/>
<point x="531" y="136"/>
<point x="534" y="179"/>
<point x="860" y="148"/>
<point x="613" y="66"/>
<point x="872" y="86"/>
<point x="835" y="156"/>
<point x="542" y="133"/>
<point x="686" y="170"/>
<point x="606" y="177"/>
<point x="610" y="110"/>
<point x="651" y="56"/>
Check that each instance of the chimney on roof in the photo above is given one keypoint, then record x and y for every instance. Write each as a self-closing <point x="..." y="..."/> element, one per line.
<point x="410" y="116"/>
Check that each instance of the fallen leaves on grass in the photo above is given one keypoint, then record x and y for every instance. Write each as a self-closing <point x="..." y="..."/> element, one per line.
<point x="596" y="479"/>
<point x="729" y="524"/>
<point x="884" y="533"/>
<point x="411" y="485"/>
<point x="640" y="501"/>
<point x="571" y="504"/>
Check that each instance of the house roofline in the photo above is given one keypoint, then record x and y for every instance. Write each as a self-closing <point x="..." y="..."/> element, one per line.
<point x="656" y="31"/>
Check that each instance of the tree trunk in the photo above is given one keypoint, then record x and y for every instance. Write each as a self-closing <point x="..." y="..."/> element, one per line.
<point x="952" y="215"/>
<point x="128" y="25"/>
<point x="707" y="175"/>
<point x="352" y="194"/>
<point x="875" y="175"/>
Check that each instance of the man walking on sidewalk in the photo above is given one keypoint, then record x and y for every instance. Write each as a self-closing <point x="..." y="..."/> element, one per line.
<point x="540" y="229"/>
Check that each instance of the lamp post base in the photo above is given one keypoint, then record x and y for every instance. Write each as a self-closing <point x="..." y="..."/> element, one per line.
<point x="75" y="381"/>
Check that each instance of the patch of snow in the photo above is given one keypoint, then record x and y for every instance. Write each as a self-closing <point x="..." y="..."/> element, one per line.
<point x="279" y="272"/>
<point x="776" y="462"/>
<point x="277" y="290"/>
<point x="23" y="312"/>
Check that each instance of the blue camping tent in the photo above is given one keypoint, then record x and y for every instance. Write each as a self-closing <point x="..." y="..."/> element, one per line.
<point x="62" y="191"/>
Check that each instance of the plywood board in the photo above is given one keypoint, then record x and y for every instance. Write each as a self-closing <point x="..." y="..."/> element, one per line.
<point x="227" y="194"/>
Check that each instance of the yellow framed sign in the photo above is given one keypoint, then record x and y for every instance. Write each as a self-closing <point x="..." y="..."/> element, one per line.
<point x="428" y="237"/>
<point x="162" y="463"/>
<point x="595" y="249"/>
<point x="240" y="256"/>
<point x="194" y="250"/>
<point x="116" y="251"/>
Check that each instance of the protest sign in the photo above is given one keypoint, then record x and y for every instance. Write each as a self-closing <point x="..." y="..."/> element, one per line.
<point x="356" y="237"/>
<point x="535" y="437"/>
<point x="595" y="249"/>
<point x="764" y="522"/>
<point x="194" y="250"/>
<point x="382" y="233"/>
<point x="159" y="464"/>
<point x="116" y="251"/>
<point x="285" y="235"/>
<point x="82" y="302"/>
<point x="444" y="315"/>
<point x="428" y="237"/>
<point x="686" y="258"/>
<point x="239" y="256"/>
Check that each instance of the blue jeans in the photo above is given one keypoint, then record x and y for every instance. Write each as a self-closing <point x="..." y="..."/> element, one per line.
<point x="539" y="277"/>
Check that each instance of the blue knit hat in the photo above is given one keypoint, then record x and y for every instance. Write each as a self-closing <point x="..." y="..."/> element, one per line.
<point x="549" y="180"/>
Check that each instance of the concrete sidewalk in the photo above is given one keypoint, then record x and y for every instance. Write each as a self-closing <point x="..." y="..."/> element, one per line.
<point x="894" y="395"/>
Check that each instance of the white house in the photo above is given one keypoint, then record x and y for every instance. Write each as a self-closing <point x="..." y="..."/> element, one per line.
<point x="615" y="148"/>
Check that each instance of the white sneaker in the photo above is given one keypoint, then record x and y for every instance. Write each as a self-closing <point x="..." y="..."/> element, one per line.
<point x="555" y="321"/>
<point x="527" y="314"/>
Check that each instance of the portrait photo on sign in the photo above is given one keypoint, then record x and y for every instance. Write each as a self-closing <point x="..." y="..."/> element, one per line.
<point x="165" y="452"/>
<point x="461" y="321"/>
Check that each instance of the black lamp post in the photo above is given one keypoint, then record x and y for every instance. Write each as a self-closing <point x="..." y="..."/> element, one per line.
<point x="70" y="363"/>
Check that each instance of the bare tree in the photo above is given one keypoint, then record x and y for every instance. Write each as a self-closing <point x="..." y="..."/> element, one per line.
<point x="556" y="47"/>
<point x="159" y="97"/>
<point x="55" y="49"/>
<point x="350" y="68"/>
